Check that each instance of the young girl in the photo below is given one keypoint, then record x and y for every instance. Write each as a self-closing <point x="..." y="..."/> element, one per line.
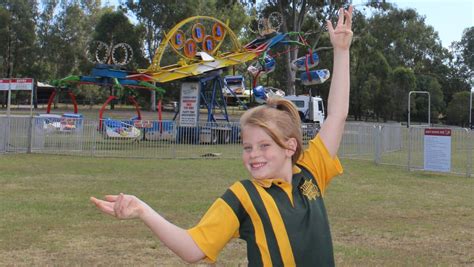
<point x="280" y="213"/>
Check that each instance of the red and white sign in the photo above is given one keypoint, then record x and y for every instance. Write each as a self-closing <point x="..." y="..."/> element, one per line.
<point x="189" y="104"/>
<point x="15" y="84"/>
<point x="22" y="84"/>
<point x="4" y="84"/>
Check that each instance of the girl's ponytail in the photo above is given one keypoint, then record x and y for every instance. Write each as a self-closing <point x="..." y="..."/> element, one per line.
<point x="287" y="106"/>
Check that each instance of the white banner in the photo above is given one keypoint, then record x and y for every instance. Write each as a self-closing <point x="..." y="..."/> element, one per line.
<point x="15" y="84"/>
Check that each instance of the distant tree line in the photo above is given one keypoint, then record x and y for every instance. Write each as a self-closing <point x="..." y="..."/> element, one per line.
<point x="394" y="51"/>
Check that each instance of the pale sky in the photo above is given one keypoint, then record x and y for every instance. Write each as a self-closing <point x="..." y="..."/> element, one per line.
<point x="448" y="17"/>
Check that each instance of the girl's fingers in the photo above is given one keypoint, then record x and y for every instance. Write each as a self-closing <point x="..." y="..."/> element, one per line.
<point x="118" y="203"/>
<point x="93" y="200"/>
<point x="104" y="206"/>
<point x="341" y="17"/>
<point x="112" y="198"/>
<point x="124" y="205"/>
<point x="120" y="206"/>
<point x="348" y="15"/>
<point x="330" y="27"/>
<point x="348" y="20"/>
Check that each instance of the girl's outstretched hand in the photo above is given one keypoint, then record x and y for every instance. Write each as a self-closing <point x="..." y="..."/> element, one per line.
<point x="341" y="36"/>
<point x="120" y="206"/>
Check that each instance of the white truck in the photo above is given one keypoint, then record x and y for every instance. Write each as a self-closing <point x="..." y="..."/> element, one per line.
<point x="310" y="108"/>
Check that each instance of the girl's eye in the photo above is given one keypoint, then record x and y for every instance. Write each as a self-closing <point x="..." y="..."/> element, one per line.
<point x="247" y="148"/>
<point x="263" y="146"/>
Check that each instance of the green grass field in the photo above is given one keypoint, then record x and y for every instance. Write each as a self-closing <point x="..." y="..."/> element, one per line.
<point x="380" y="215"/>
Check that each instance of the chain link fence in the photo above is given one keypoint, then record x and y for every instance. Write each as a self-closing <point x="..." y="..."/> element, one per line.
<point x="391" y="144"/>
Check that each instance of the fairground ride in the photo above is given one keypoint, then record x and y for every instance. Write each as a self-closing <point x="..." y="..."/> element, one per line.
<point x="203" y="46"/>
<point x="108" y="73"/>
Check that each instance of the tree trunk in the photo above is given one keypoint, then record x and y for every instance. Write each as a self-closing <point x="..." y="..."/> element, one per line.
<point x="112" y="92"/>
<point x="297" y="17"/>
<point x="290" y="76"/>
<point x="35" y="96"/>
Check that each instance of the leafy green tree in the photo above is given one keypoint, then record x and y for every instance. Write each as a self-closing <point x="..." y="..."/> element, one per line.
<point x="114" y="28"/>
<point x="467" y="43"/>
<point x="64" y="29"/>
<point x="463" y="57"/>
<point x="48" y="46"/>
<point x="4" y="42"/>
<point x="72" y="39"/>
<point x="448" y="74"/>
<point x="370" y="73"/>
<point x="405" y="40"/>
<point x="420" y="108"/>
<point x="17" y="41"/>
<point x="403" y="81"/>
<point x="403" y="37"/>
<point x="457" y="112"/>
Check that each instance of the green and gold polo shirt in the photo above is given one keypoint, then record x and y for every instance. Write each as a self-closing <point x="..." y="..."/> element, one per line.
<point x="283" y="224"/>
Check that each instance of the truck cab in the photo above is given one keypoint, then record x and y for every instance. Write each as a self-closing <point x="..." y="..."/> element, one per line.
<point x="310" y="108"/>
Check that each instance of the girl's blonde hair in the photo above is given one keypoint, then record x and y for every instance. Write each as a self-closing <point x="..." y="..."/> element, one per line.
<point x="279" y="118"/>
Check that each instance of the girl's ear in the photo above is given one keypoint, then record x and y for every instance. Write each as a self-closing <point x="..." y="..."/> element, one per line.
<point x="291" y="146"/>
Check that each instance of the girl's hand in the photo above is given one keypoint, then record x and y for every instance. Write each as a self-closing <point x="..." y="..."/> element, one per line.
<point x="341" y="36"/>
<point x="120" y="206"/>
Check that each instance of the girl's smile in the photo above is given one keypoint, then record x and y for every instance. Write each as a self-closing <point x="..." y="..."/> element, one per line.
<point x="256" y="166"/>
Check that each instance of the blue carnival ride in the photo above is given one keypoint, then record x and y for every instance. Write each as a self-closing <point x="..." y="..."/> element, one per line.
<point x="111" y="76"/>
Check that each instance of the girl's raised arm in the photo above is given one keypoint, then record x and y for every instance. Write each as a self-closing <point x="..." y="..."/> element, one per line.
<point x="338" y="100"/>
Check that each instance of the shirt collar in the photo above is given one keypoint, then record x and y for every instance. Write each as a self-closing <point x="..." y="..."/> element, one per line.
<point x="266" y="183"/>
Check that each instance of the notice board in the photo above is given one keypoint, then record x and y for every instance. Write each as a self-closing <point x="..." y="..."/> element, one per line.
<point x="437" y="150"/>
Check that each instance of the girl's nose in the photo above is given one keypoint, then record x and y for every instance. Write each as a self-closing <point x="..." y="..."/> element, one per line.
<point x="254" y="153"/>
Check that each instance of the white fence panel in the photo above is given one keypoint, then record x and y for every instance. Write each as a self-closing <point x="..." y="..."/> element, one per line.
<point x="391" y="144"/>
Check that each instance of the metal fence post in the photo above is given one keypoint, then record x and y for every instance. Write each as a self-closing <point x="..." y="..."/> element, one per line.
<point x="94" y="140"/>
<point x="378" y="144"/>
<point x="469" y="153"/>
<point x="174" y="144"/>
<point x="8" y="134"/>
<point x="30" y="135"/>
<point x="409" y="148"/>
<point x="3" y="131"/>
<point x="360" y="139"/>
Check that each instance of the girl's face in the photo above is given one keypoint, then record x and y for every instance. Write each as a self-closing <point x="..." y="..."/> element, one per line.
<point x="263" y="157"/>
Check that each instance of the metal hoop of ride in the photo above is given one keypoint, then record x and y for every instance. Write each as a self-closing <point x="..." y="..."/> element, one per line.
<point x="121" y="54"/>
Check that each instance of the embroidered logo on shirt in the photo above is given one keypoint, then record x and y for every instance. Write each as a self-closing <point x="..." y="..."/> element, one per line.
<point x="309" y="190"/>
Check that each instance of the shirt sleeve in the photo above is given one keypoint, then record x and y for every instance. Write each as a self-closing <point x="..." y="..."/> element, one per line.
<point x="218" y="226"/>
<point x="318" y="161"/>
